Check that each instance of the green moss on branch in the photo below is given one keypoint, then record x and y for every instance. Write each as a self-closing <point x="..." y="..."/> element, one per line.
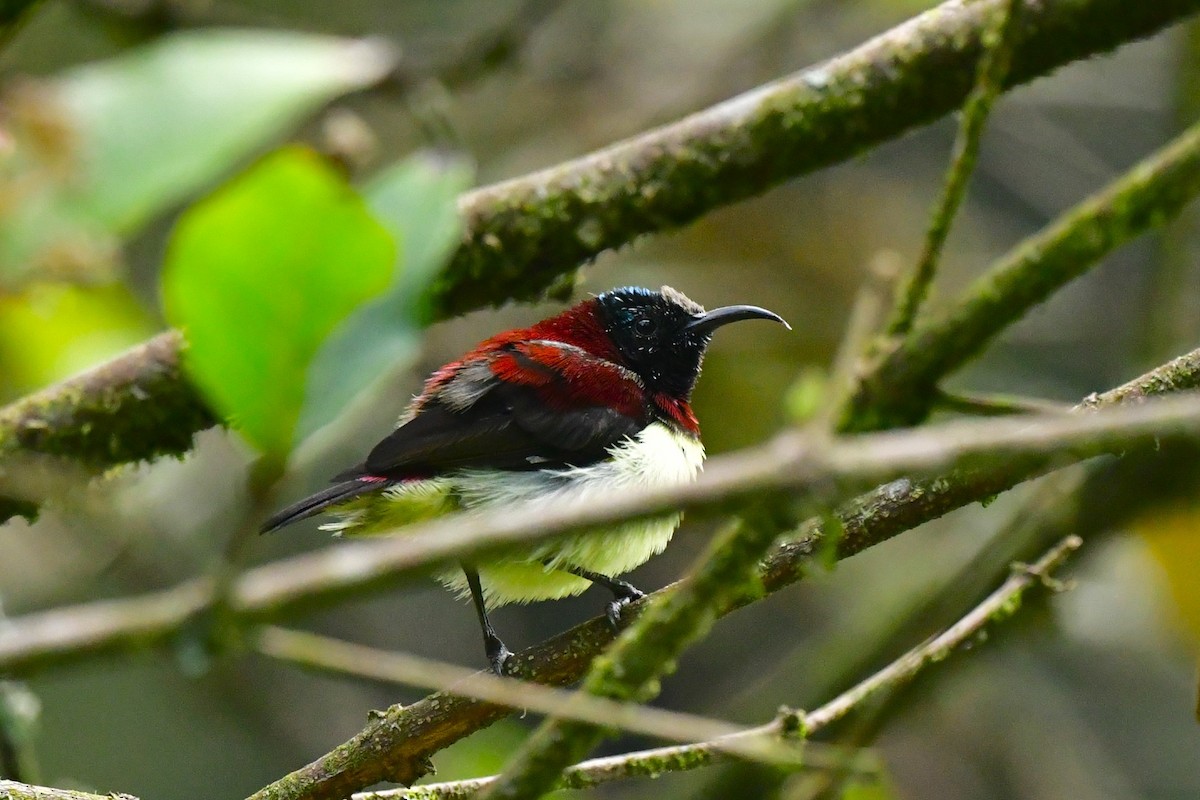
<point x="12" y="790"/>
<point x="522" y="235"/>
<point x="135" y="407"/>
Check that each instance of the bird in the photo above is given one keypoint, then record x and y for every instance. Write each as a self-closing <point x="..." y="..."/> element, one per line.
<point x="595" y="399"/>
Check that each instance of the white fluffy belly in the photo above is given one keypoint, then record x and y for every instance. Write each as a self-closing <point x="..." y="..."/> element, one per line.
<point x="657" y="456"/>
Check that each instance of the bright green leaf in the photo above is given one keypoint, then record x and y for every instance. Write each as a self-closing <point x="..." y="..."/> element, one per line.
<point x="417" y="201"/>
<point x="106" y="146"/>
<point x="259" y="274"/>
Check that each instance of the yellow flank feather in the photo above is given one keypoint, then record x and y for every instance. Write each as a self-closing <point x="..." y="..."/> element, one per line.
<point x="657" y="456"/>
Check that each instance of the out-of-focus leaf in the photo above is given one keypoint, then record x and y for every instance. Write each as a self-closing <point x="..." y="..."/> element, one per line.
<point x="101" y="149"/>
<point x="806" y="394"/>
<point x="50" y="331"/>
<point x="162" y="121"/>
<point x="416" y="201"/>
<point x="259" y="274"/>
<point x="868" y="790"/>
<point x="1173" y="534"/>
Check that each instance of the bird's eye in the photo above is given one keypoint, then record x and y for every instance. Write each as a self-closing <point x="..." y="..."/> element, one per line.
<point x="645" y="326"/>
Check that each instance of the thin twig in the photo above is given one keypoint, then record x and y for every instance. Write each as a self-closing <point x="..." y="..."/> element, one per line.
<point x="866" y="316"/>
<point x="999" y="605"/>
<point x="897" y="679"/>
<point x="998" y="40"/>
<point x="324" y="654"/>
<point x="652" y="763"/>
<point x="996" y="405"/>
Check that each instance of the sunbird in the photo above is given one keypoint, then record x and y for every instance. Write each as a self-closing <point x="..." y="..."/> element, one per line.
<point x="592" y="400"/>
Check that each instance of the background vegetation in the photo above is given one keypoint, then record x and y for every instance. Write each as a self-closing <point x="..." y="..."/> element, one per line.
<point x="162" y="157"/>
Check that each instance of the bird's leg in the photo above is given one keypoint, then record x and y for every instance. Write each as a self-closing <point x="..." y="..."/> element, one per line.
<point x="496" y="652"/>
<point x="624" y="592"/>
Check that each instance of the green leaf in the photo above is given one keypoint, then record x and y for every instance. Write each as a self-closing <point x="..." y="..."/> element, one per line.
<point x="417" y="201"/>
<point x="105" y="147"/>
<point x="259" y="274"/>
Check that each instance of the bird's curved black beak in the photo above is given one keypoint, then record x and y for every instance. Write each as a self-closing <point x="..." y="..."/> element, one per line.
<point x="709" y="321"/>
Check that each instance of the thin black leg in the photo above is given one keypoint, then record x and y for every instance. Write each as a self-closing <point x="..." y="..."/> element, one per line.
<point x="496" y="652"/>
<point x="624" y="592"/>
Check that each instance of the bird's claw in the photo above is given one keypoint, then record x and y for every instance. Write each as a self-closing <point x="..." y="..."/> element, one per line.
<point x="613" y="609"/>
<point x="498" y="656"/>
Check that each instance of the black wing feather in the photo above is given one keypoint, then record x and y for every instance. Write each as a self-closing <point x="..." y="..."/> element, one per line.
<point x="507" y="428"/>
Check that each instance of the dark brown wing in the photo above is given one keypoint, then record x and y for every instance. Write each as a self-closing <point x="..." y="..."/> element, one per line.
<point x="506" y="427"/>
<point x="537" y="418"/>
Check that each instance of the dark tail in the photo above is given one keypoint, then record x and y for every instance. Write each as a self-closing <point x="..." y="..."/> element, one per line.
<point x="315" y="504"/>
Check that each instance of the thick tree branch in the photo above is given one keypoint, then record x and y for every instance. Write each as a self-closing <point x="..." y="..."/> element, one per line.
<point x="11" y="790"/>
<point x="523" y="235"/>
<point x="136" y="407"/>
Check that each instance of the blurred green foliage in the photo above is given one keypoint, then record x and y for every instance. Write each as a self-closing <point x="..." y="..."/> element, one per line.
<point x="100" y="149"/>
<point x="258" y="274"/>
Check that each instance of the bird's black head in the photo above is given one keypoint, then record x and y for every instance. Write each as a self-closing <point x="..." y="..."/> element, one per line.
<point x="663" y="335"/>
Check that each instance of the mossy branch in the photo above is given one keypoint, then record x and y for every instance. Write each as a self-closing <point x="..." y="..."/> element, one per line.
<point x="135" y="407"/>
<point x="996" y="607"/>
<point x="397" y="746"/>
<point x="12" y="790"/>
<point x="993" y="68"/>
<point x="523" y="235"/>
<point x="900" y="386"/>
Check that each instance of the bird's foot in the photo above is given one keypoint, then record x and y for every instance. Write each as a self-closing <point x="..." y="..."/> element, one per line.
<point x="497" y="654"/>
<point x="614" y="609"/>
